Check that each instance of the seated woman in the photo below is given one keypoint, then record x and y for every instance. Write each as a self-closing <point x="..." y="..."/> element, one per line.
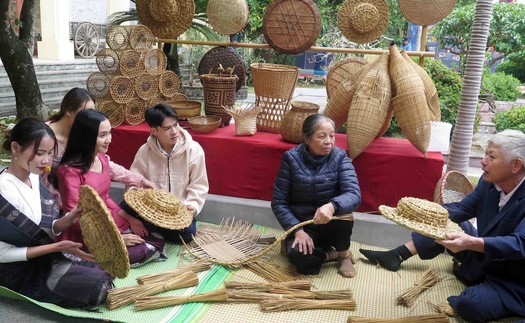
<point x="317" y="180"/>
<point x="85" y="162"/>
<point x="31" y="263"/>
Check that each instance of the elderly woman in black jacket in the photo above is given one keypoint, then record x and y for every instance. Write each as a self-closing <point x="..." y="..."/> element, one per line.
<point x="317" y="180"/>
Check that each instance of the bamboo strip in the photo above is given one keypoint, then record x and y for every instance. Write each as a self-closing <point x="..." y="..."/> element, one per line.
<point x="152" y="302"/>
<point x="425" y="281"/>
<point x="433" y="318"/>
<point x="278" y="305"/>
<point x="311" y="49"/>
<point x="295" y="284"/>
<point x="195" y="267"/>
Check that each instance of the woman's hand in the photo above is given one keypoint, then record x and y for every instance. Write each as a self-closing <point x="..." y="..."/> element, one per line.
<point x="304" y="242"/>
<point x="74" y="249"/>
<point x="324" y="213"/>
<point x="131" y="239"/>
<point x="137" y="227"/>
<point x="73" y="216"/>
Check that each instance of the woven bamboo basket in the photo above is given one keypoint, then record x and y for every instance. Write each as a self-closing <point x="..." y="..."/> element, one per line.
<point x="292" y="123"/>
<point x="146" y="86"/>
<point x="274" y="85"/>
<point x="134" y="111"/>
<point x="121" y="89"/>
<point x="225" y="57"/>
<point x="155" y="62"/>
<point x="386" y="125"/>
<point x="404" y="77"/>
<point x="245" y="119"/>
<point x="117" y="37"/>
<point x="347" y="69"/>
<point x="186" y="109"/>
<point x="131" y="63"/>
<point x="113" y="110"/>
<point x="159" y="98"/>
<point x="98" y="85"/>
<point x="141" y="38"/>
<point x="219" y="90"/>
<point x="169" y="84"/>
<point x="108" y="61"/>
<point x="205" y="123"/>
<point x="413" y="117"/>
<point x="430" y="89"/>
<point x="369" y="108"/>
<point x="341" y="98"/>
<point x="452" y="187"/>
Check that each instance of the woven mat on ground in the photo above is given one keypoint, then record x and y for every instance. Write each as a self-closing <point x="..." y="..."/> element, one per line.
<point x="375" y="290"/>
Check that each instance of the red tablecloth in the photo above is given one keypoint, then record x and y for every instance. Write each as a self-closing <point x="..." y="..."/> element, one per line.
<point x="246" y="166"/>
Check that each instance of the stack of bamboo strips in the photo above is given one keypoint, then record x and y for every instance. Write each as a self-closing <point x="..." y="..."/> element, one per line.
<point x="427" y="280"/>
<point x="195" y="267"/>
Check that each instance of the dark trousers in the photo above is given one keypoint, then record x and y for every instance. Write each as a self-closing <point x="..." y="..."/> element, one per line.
<point x="478" y="302"/>
<point x="185" y="234"/>
<point x="334" y="234"/>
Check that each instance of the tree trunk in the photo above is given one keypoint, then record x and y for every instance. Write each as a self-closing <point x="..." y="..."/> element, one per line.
<point x="461" y="144"/>
<point x="18" y="61"/>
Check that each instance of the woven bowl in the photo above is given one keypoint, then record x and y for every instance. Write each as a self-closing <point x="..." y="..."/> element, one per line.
<point x="186" y="108"/>
<point x="205" y="123"/>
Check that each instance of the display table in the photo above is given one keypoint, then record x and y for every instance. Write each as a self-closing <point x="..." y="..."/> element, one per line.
<point x="388" y="169"/>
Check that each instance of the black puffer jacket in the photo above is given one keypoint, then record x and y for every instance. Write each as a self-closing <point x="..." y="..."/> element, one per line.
<point x="306" y="182"/>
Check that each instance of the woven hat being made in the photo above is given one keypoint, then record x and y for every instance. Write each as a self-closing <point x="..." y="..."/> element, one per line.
<point x="101" y="235"/>
<point x="424" y="12"/>
<point x="428" y="218"/>
<point x="363" y="21"/>
<point x="160" y="208"/>
<point x="166" y="18"/>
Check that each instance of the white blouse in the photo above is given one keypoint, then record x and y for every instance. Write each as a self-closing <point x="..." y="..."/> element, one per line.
<point x="27" y="200"/>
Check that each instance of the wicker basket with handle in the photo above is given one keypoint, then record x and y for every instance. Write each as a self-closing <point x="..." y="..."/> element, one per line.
<point x="274" y="85"/>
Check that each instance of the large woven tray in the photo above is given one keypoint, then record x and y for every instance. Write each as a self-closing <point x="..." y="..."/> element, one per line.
<point x="101" y="234"/>
<point x="227" y="17"/>
<point x="227" y="57"/>
<point x="291" y="26"/>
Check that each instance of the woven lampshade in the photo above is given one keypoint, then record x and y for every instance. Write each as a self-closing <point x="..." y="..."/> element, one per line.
<point x="101" y="235"/>
<point x="166" y="18"/>
<point x="291" y="26"/>
<point x="227" y="17"/>
<point x="424" y="12"/>
<point x="363" y="21"/>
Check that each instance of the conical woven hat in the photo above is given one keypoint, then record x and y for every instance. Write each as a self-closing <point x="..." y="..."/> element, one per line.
<point x="166" y="18"/>
<point x="363" y="21"/>
<point x="101" y="235"/>
<point x="227" y="17"/>
<point x="425" y="12"/>
<point x="159" y="207"/>
<point x="428" y="218"/>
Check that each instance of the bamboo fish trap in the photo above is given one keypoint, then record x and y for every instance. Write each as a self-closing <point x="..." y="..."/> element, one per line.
<point x="239" y="245"/>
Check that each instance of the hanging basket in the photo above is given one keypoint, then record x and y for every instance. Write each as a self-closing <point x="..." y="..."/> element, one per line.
<point x="219" y="90"/>
<point x="292" y="123"/>
<point x="274" y="85"/>
<point x="146" y="86"/>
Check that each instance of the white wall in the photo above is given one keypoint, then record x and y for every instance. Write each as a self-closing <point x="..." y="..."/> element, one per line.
<point x="94" y="11"/>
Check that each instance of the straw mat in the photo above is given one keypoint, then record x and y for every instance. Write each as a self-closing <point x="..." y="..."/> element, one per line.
<point x="375" y="290"/>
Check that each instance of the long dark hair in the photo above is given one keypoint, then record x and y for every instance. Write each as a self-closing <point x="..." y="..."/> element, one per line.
<point x="82" y="142"/>
<point x="27" y="132"/>
<point x="75" y="99"/>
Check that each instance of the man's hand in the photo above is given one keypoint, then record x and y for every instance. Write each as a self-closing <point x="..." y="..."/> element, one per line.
<point x="459" y="241"/>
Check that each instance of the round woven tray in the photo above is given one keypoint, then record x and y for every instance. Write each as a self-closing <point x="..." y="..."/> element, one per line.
<point x="131" y="64"/>
<point x="155" y="61"/>
<point x="227" y="57"/>
<point x="101" y="235"/>
<point x="291" y="26"/>
<point x="146" y="86"/>
<point x="169" y="84"/>
<point x="134" y="112"/>
<point x="122" y="89"/>
<point x="424" y="12"/>
<point x="227" y="17"/>
<point x="141" y="38"/>
<point x="347" y="69"/>
<point x="107" y="61"/>
<point x="114" y="111"/>
<point x="117" y="37"/>
<point x="98" y="84"/>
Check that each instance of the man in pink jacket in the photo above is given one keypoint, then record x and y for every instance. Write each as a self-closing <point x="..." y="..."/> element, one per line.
<point x="172" y="160"/>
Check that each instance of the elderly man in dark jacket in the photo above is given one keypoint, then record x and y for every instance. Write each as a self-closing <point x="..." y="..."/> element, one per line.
<point x="317" y="181"/>
<point x="492" y="256"/>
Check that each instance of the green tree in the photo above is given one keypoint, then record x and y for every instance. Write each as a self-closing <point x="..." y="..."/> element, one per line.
<point x="506" y="34"/>
<point x="18" y="61"/>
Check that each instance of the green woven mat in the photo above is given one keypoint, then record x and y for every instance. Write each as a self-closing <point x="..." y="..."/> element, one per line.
<point x="375" y="290"/>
